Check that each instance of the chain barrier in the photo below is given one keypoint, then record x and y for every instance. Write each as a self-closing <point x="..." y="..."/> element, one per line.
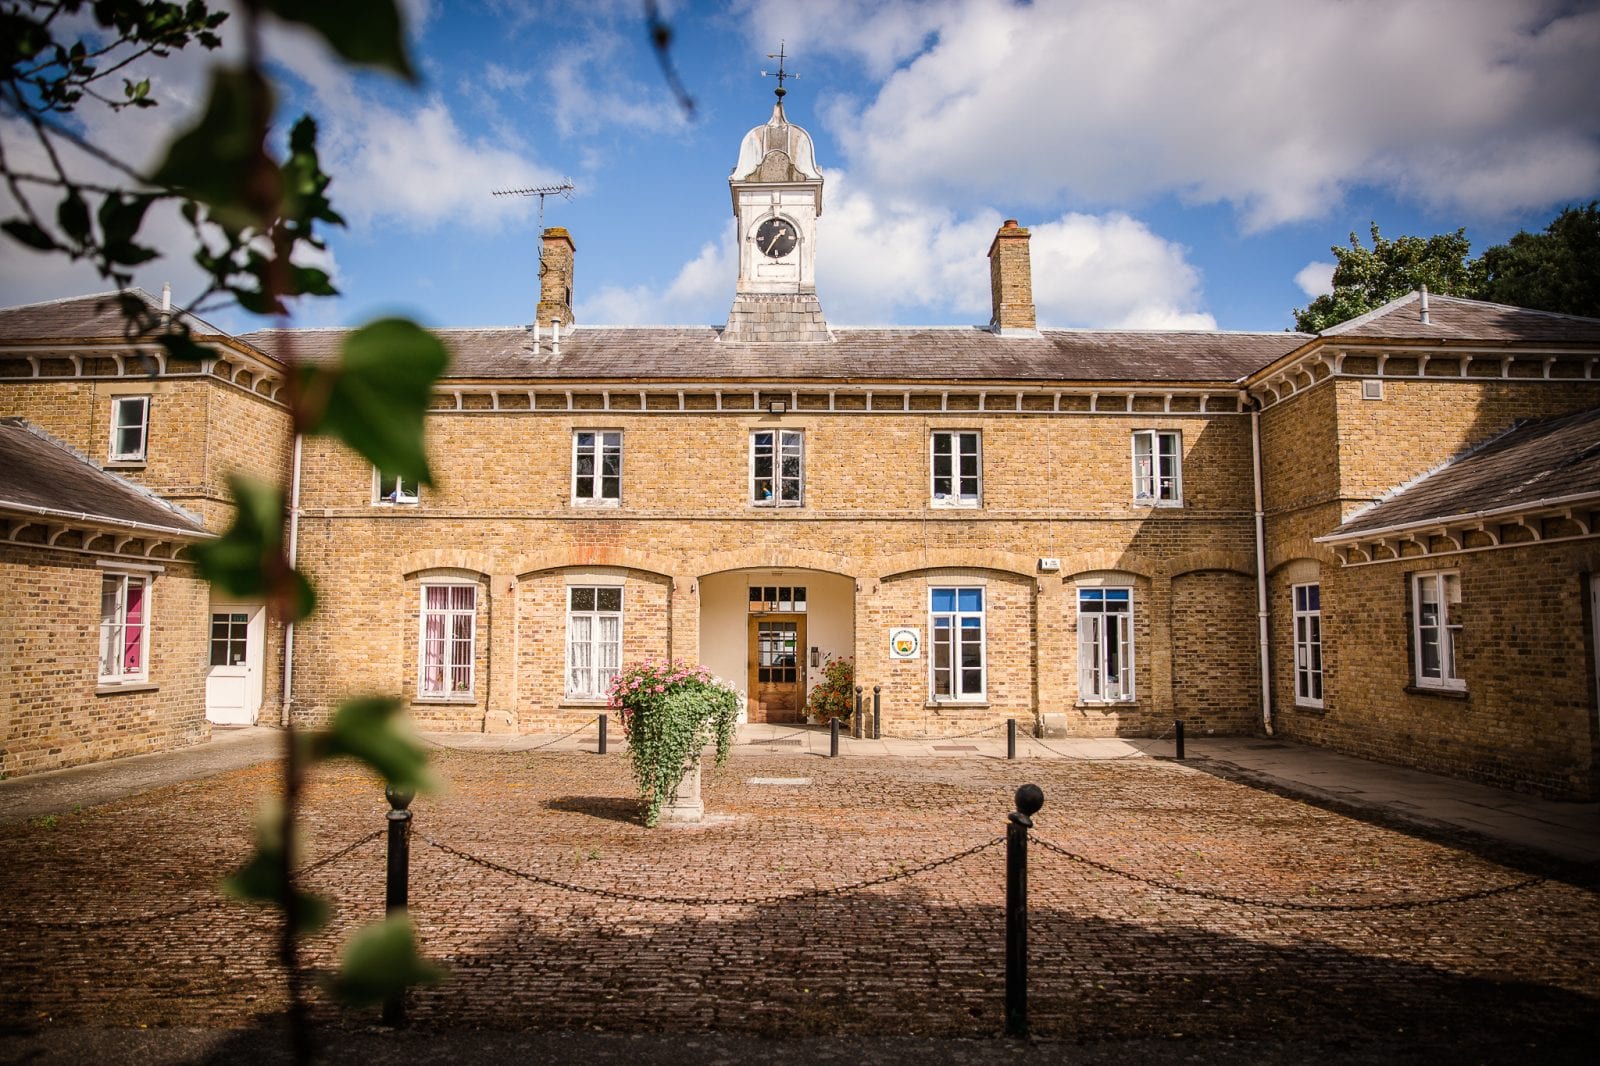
<point x="1138" y="752"/>
<point x="1292" y="905"/>
<point x="91" y="924"/>
<point x="512" y="751"/>
<point x="709" y="901"/>
<point x="959" y="736"/>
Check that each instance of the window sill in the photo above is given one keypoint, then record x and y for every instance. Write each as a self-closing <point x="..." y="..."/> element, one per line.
<point x="940" y="506"/>
<point x="394" y="503"/>
<point x="1441" y="693"/>
<point x="125" y="464"/>
<point x="459" y="701"/>
<point x="973" y="704"/>
<point x="584" y="703"/>
<point x="1106" y="705"/>
<point x="116" y="689"/>
<point x="1310" y="708"/>
<point x="597" y="505"/>
<point x="1159" y="505"/>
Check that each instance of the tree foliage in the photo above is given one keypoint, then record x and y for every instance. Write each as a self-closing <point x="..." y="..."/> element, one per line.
<point x="1557" y="270"/>
<point x="1366" y="278"/>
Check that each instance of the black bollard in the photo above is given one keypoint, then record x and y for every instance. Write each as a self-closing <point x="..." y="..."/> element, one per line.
<point x="877" y="712"/>
<point x="397" y="889"/>
<point x="1029" y="799"/>
<point x="1177" y="736"/>
<point x="601" y="747"/>
<point x="1011" y="738"/>
<point x="859" y="726"/>
<point x="833" y="738"/>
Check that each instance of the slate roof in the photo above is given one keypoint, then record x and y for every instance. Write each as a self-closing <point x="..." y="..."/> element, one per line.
<point x="39" y="472"/>
<point x="1533" y="461"/>
<point x="94" y="317"/>
<point x="1451" y="318"/>
<point x="696" y="353"/>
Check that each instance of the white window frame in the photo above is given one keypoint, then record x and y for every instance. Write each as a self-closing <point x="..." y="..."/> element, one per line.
<point x="120" y="405"/>
<point x="605" y="440"/>
<point x="956" y="497"/>
<point x="399" y="495"/>
<point x="1152" y="486"/>
<point x="1095" y="685"/>
<point x="1308" y="665"/>
<point x="598" y="686"/>
<point x="1445" y="586"/>
<point x="114" y="626"/>
<point x="781" y="441"/>
<point x="450" y="658"/>
<point x="952" y="643"/>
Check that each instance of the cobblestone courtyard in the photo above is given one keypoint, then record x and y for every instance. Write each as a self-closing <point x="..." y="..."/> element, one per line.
<point x="88" y="933"/>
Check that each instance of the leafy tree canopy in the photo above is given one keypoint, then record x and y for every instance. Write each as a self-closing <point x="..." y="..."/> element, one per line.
<point x="1557" y="270"/>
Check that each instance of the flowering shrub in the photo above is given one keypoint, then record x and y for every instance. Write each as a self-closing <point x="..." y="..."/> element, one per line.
<point x="833" y="696"/>
<point x="670" y="711"/>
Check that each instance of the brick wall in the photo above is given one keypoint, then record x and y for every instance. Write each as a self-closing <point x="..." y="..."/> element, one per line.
<point x="1215" y="652"/>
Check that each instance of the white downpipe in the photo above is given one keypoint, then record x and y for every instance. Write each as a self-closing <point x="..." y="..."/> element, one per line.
<point x="294" y="544"/>
<point x="1261" y="572"/>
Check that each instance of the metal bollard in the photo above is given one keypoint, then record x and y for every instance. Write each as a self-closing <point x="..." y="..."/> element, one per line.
<point x="397" y="888"/>
<point x="600" y="748"/>
<point x="877" y="712"/>
<point x="833" y="738"/>
<point x="1029" y="799"/>
<point x="858" y="723"/>
<point x="1177" y="736"/>
<point x="1011" y="738"/>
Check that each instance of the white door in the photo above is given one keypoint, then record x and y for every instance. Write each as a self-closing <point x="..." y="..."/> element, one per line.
<point x="233" y="685"/>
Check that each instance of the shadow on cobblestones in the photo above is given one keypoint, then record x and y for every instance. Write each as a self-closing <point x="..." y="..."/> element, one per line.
<point x="612" y="808"/>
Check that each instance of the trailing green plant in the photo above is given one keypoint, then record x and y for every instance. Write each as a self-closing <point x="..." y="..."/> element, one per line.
<point x="670" y="711"/>
<point x="833" y="696"/>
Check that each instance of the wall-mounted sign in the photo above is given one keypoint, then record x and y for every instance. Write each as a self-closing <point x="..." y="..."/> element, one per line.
<point x="904" y="643"/>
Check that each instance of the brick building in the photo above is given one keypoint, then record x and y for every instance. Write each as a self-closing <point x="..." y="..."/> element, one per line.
<point x="1094" y="532"/>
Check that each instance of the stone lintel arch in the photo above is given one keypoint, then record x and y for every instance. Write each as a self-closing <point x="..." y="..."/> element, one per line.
<point x="1287" y="551"/>
<point x="775" y="557"/>
<point x="1212" y="559"/>
<point x="595" y="555"/>
<point x="958" y="559"/>
<point x="1127" y="562"/>
<point x="446" y="559"/>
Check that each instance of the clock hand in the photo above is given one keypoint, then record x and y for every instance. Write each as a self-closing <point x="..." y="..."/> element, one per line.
<point x="776" y="237"/>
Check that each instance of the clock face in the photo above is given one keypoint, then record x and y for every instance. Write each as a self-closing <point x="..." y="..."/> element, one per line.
<point x="776" y="238"/>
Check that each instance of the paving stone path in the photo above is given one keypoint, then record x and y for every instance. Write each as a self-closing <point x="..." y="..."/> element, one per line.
<point x="111" y="916"/>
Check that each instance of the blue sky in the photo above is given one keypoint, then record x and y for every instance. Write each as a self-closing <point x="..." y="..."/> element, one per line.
<point x="1181" y="164"/>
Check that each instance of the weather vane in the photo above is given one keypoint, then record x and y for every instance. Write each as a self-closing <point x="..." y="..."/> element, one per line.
<point x="780" y="74"/>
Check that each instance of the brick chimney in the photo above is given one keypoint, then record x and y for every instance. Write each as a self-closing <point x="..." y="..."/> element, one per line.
<point x="555" y="282"/>
<point x="1011" y="280"/>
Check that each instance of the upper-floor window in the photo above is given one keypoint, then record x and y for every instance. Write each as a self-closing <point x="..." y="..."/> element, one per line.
<point x="597" y="468"/>
<point x="1157" y="462"/>
<point x="955" y="618"/>
<point x="390" y="489"/>
<point x="777" y="468"/>
<point x="594" y="639"/>
<point x="124" y="627"/>
<point x="1436" y="629"/>
<point x="1308" y="645"/>
<point x="449" y="638"/>
<point x="957" y="469"/>
<point x="1105" y="643"/>
<point x="130" y="428"/>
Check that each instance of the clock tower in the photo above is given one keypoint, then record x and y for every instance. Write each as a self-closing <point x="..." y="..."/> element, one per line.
<point x="777" y="196"/>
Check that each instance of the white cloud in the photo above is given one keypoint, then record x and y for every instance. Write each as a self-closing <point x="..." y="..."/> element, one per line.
<point x="700" y="293"/>
<point x="1316" y="278"/>
<point x="1275" y="107"/>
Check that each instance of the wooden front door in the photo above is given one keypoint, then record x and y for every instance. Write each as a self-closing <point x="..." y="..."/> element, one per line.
<point x="777" y="668"/>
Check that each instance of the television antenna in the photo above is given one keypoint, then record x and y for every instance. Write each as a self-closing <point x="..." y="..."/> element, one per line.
<point x="563" y="190"/>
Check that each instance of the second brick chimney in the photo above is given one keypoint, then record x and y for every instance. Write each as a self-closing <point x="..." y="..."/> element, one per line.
<point x="1011" y="281"/>
<point x="555" y="281"/>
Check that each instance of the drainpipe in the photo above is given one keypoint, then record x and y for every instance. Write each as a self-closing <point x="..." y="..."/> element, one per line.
<point x="1261" y="568"/>
<point x="294" y="541"/>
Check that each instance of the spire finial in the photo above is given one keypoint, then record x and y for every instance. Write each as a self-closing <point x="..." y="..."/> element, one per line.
<point x="780" y="73"/>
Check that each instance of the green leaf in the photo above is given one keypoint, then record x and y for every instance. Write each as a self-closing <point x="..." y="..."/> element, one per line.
<point x="128" y="253"/>
<point x="220" y="160"/>
<point x="377" y="397"/>
<point x="121" y="218"/>
<point x="382" y="961"/>
<point x="25" y="232"/>
<point x="368" y="32"/>
<point x="248" y="560"/>
<point x="73" y="216"/>
<point x="310" y="281"/>
<point x="369" y="730"/>
<point x="260" y="879"/>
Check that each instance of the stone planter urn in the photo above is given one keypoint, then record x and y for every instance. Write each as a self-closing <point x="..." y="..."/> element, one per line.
<point x="686" y="806"/>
